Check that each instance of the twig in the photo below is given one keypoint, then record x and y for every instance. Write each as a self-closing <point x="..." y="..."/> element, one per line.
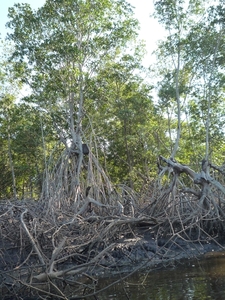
<point x="55" y="254"/>
<point x="31" y="238"/>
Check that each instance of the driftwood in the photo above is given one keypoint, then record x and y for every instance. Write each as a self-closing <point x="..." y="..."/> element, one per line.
<point x="198" y="178"/>
<point x="206" y="196"/>
<point x="63" y="247"/>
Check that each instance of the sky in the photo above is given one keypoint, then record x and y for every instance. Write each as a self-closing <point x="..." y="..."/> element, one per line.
<point x="150" y="31"/>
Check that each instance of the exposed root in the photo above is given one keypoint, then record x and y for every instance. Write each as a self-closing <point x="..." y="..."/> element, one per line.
<point x="59" y="248"/>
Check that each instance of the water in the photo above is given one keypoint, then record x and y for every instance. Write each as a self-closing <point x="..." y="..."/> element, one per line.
<point x="191" y="280"/>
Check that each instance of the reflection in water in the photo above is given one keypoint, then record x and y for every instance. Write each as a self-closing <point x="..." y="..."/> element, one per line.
<point x="193" y="280"/>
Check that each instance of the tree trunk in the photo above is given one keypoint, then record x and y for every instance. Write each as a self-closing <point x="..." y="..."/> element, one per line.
<point x="11" y="162"/>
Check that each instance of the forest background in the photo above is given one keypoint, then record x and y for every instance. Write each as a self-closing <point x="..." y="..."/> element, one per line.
<point x="98" y="93"/>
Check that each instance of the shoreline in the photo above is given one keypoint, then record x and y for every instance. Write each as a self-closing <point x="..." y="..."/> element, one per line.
<point x="65" y="254"/>
<point x="138" y="257"/>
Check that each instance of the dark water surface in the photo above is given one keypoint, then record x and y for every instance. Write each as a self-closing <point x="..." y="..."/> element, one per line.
<point x="191" y="280"/>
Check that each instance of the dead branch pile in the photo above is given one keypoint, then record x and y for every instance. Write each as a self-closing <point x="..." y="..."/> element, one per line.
<point x="79" y="230"/>
<point x="44" y="254"/>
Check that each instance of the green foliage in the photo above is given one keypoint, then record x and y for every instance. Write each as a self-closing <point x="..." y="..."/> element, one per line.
<point x="75" y="56"/>
<point x="125" y="121"/>
<point x="82" y="63"/>
<point x="21" y="147"/>
<point x="196" y="36"/>
<point x="62" y="38"/>
<point x="21" y="124"/>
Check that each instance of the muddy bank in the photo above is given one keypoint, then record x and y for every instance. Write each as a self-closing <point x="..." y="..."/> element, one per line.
<point x="132" y="254"/>
<point x="126" y="257"/>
